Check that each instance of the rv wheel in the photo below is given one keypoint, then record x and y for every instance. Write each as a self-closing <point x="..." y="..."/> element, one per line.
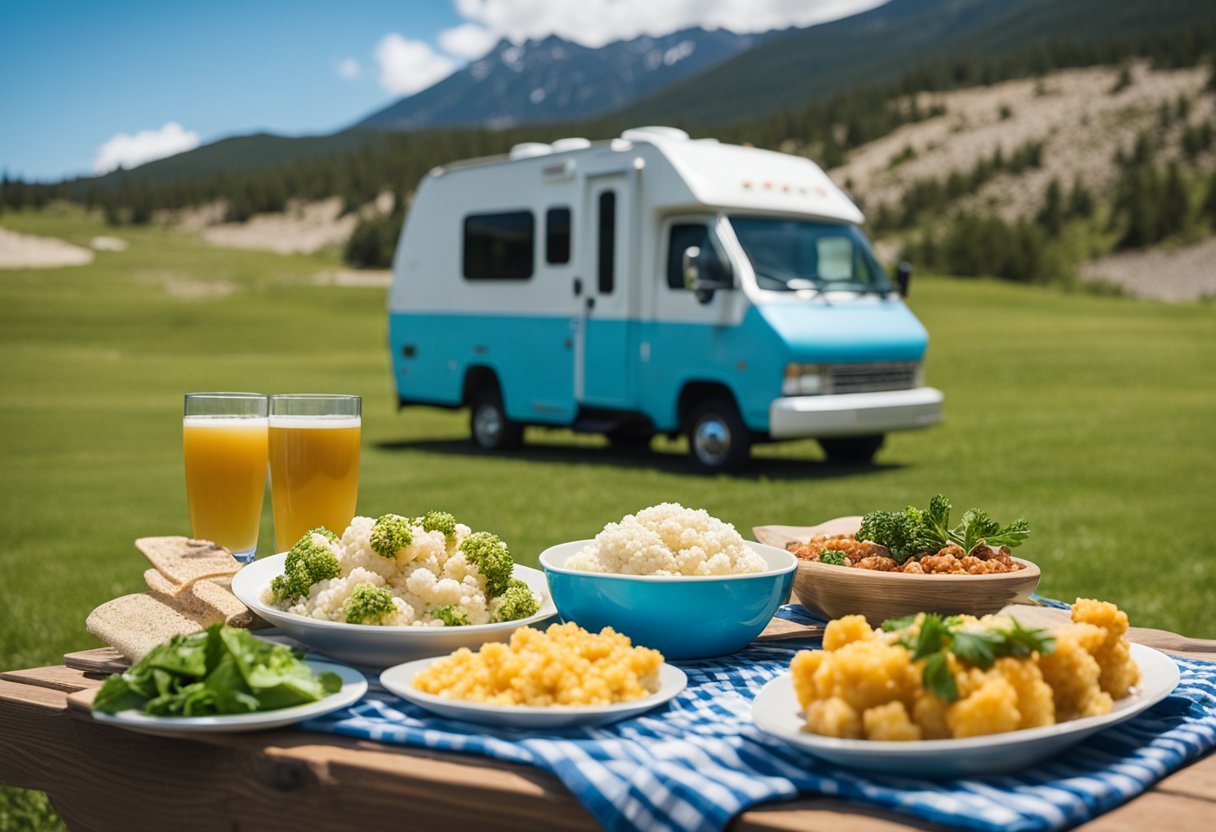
<point x="718" y="441"/>
<point x="488" y="422"/>
<point x="851" y="450"/>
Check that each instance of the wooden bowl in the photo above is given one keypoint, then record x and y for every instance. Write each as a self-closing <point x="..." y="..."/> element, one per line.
<point x="833" y="591"/>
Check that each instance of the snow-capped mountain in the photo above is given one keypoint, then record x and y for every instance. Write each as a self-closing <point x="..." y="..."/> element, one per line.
<point x="555" y="80"/>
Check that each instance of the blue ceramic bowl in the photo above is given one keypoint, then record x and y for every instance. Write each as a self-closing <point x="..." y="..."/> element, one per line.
<point x="681" y="617"/>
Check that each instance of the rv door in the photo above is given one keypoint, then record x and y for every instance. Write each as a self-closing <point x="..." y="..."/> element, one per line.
<point x="602" y="366"/>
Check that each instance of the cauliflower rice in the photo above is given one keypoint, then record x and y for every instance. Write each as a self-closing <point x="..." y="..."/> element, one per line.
<point x="668" y="539"/>
<point x="428" y="574"/>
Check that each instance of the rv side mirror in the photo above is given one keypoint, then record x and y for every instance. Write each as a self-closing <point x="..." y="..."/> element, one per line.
<point x="903" y="276"/>
<point x="691" y="266"/>
<point x="704" y="275"/>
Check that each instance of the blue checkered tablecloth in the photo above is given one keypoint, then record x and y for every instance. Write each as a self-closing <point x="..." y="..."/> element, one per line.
<point x="696" y="762"/>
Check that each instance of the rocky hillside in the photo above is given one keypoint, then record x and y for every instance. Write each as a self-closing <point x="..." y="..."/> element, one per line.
<point x="995" y="151"/>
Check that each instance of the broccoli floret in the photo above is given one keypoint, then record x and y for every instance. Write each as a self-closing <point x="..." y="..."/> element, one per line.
<point x="307" y="562"/>
<point x="894" y="529"/>
<point x="834" y="557"/>
<point x="516" y="602"/>
<point x="489" y="554"/>
<point x="438" y="521"/>
<point x="391" y="534"/>
<point x="324" y="532"/>
<point x="368" y="604"/>
<point x="452" y="615"/>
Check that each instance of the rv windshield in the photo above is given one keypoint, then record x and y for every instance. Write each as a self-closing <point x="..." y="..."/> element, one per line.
<point x="788" y="255"/>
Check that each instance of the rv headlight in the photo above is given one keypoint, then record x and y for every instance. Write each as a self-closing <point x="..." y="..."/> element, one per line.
<point x="803" y="380"/>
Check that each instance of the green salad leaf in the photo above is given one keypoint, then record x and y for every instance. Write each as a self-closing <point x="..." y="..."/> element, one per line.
<point x="222" y="670"/>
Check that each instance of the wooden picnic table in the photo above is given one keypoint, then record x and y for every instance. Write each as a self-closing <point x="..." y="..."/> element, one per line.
<point x="101" y="777"/>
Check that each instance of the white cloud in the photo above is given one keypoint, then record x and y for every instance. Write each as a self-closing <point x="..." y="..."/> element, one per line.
<point x="348" y="69"/>
<point x="131" y="150"/>
<point x="468" y="41"/>
<point x="596" y="22"/>
<point x="407" y="66"/>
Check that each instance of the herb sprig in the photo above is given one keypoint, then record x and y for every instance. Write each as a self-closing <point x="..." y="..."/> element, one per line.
<point x="834" y="557"/>
<point x="981" y="648"/>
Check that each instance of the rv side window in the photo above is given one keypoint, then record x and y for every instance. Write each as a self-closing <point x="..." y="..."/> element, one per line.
<point x="557" y="236"/>
<point x="607" y="242"/>
<point x="499" y="246"/>
<point x="682" y="236"/>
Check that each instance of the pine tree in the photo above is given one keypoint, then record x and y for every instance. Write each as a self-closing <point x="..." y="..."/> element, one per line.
<point x="1175" y="205"/>
<point x="1051" y="216"/>
<point x="1080" y="202"/>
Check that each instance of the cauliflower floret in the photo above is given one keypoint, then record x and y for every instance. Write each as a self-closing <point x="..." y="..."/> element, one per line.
<point x="328" y="597"/>
<point x="833" y="718"/>
<point x="989" y="705"/>
<point x="1035" y="701"/>
<point x="846" y="630"/>
<point x="357" y="550"/>
<point x="1073" y="672"/>
<point x="1119" y="670"/>
<point x="889" y="722"/>
<point x="668" y="539"/>
<point x="929" y="711"/>
<point x="802" y="669"/>
<point x="421" y="582"/>
<point x="457" y="567"/>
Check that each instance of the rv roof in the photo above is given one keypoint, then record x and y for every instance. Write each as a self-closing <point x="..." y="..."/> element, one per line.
<point x="730" y="176"/>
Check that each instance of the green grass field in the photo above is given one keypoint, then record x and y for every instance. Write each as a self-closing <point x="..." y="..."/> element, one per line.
<point x="1093" y="417"/>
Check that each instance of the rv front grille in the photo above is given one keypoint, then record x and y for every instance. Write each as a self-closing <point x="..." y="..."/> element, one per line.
<point x="873" y="377"/>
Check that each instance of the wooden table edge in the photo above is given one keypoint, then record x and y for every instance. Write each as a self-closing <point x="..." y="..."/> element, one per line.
<point x="523" y="793"/>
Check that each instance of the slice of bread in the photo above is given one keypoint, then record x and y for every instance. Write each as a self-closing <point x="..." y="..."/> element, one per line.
<point x="183" y="560"/>
<point x="134" y="624"/>
<point x="205" y="598"/>
<point x="161" y="585"/>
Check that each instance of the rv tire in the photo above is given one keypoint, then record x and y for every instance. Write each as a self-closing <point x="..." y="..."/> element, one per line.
<point x="489" y="425"/>
<point x="852" y="450"/>
<point x="718" y="441"/>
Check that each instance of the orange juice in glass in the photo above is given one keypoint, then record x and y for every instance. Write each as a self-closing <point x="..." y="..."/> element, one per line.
<point x="314" y="463"/>
<point x="224" y="445"/>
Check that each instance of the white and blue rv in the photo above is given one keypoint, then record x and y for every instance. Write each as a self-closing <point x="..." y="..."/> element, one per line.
<point x="653" y="284"/>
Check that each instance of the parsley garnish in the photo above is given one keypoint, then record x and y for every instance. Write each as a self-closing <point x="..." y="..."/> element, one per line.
<point x="834" y="557"/>
<point x="978" y="647"/>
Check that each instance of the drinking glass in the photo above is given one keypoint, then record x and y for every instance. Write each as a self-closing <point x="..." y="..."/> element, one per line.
<point x="314" y="463"/>
<point x="224" y="444"/>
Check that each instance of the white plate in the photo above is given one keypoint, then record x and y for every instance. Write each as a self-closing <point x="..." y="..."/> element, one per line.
<point x="375" y="646"/>
<point x="777" y="712"/>
<point x="400" y="680"/>
<point x="354" y="685"/>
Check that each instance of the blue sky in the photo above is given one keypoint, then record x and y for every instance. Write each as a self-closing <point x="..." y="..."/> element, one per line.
<point x="85" y="85"/>
<point x="76" y="74"/>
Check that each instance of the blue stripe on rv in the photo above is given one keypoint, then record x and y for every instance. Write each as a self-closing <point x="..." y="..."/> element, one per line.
<point x="533" y="356"/>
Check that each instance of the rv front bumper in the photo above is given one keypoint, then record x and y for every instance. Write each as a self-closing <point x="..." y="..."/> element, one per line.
<point x="854" y="414"/>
